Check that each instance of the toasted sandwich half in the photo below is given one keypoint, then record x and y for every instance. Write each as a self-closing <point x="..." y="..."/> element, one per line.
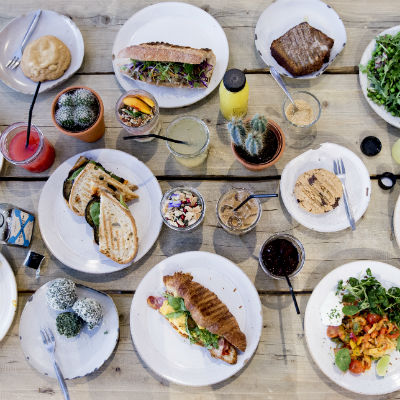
<point x="85" y="177"/>
<point x="199" y="315"/>
<point x="113" y="226"/>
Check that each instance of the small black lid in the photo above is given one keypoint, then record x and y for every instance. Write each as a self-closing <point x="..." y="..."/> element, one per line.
<point x="386" y="181"/>
<point x="33" y="260"/>
<point x="234" y="80"/>
<point x="371" y="146"/>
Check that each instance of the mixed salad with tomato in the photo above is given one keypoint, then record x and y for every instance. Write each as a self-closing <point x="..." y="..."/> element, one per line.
<point x="369" y="330"/>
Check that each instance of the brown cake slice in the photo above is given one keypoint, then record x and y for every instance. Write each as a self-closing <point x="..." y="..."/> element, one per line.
<point x="302" y="50"/>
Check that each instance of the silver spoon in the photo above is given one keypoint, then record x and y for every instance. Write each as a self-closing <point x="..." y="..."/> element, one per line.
<point x="279" y="81"/>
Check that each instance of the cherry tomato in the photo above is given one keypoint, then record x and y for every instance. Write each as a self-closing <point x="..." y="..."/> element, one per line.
<point x="394" y="334"/>
<point x="332" y="331"/>
<point x="373" y="318"/>
<point x="356" y="367"/>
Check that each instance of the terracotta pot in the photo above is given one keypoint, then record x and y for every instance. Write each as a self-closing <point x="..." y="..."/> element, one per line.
<point x="274" y="128"/>
<point x="91" y="134"/>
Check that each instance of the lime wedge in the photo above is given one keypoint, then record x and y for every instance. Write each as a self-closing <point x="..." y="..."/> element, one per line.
<point x="396" y="151"/>
<point x="382" y="365"/>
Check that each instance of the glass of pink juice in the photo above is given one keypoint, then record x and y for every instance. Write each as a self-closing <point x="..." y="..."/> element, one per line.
<point x="37" y="157"/>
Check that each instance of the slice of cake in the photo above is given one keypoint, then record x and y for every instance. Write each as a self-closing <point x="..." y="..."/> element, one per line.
<point x="302" y="50"/>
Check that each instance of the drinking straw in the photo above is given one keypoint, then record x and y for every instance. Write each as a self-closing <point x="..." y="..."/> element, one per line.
<point x="154" y="136"/>
<point x="28" y="131"/>
<point x="292" y="293"/>
<point x="255" y="196"/>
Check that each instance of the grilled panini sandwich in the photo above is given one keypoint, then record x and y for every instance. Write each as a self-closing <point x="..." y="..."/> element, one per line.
<point x="198" y="314"/>
<point x="85" y="177"/>
<point x="165" y="64"/>
<point x="113" y="226"/>
<point x="302" y="50"/>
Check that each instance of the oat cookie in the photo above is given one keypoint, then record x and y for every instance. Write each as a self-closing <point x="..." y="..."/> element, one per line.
<point x="318" y="191"/>
<point x="45" y="59"/>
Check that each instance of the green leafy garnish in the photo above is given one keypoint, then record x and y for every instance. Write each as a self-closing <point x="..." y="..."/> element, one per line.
<point x="368" y="293"/>
<point x="343" y="359"/>
<point x="398" y="344"/>
<point x="76" y="173"/>
<point x="383" y="73"/>
<point x="95" y="212"/>
<point x="350" y="310"/>
<point x="194" y="333"/>
<point x="121" y="200"/>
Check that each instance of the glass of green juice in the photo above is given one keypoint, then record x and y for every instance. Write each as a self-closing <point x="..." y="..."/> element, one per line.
<point x="197" y="135"/>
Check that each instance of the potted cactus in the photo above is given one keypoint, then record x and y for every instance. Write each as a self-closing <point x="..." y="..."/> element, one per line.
<point x="257" y="143"/>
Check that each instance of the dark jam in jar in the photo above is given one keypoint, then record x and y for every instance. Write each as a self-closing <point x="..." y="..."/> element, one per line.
<point x="280" y="257"/>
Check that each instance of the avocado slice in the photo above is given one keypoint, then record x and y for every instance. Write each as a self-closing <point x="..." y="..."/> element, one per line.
<point x="92" y="215"/>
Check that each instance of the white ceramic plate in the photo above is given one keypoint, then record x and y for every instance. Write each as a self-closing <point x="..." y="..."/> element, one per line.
<point x="367" y="55"/>
<point x="78" y="356"/>
<point x="70" y="238"/>
<point x="168" y="353"/>
<point x="180" y="24"/>
<point x="283" y="15"/>
<point x="321" y="347"/>
<point x="396" y="221"/>
<point x="8" y="296"/>
<point x="50" y="23"/>
<point x="358" y="186"/>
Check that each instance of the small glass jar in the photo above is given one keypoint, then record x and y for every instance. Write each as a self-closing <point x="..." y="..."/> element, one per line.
<point x="37" y="157"/>
<point x="173" y="204"/>
<point x="310" y="110"/>
<point x="193" y="131"/>
<point x="240" y="221"/>
<point x="153" y="126"/>
<point x="297" y="245"/>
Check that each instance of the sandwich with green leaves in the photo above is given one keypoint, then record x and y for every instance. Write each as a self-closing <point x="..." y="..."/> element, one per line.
<point x="165" y="64"/>
<point x="85" y="177"/>
<point x="114" y="227"/>
<point x="198" y="314"/>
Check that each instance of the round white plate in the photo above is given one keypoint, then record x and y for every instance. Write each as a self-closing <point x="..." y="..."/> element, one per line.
<point x="179" y="24"/>
<point x="78" y="356"/>
<point x="283" y="15"/>
<point x="168" y="353"/>
<point x="396" y="221"/>
<point x="70" y="238"/>
<point x="50" y="23"/>
<point x="358" y="185"/>
<point x="321" y="347"/>
<point x="367" y="55"/>
<point x="8" y="296"/>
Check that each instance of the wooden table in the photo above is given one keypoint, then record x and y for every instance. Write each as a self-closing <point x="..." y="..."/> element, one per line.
<point x="282" y="367"/>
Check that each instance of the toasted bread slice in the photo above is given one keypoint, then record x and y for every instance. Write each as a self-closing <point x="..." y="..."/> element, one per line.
<point x="302" y="50"/>
<point x="206" y="308"/>
<point x="225" y="352"/>
<point x="165" y="52"/>
<point x="117" y="230"/>
<point x="91" y="178"/>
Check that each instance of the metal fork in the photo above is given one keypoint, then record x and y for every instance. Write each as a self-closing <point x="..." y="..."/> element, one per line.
<point x="340" y="172"/>
<point x="50" y="344"/>
<point x="16" y="58"/>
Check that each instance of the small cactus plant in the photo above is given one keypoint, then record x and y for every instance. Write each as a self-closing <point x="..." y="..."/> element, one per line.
<point x="254" y="143"/>
<point x="249" y="135"/>
<point x="259" y="123"/>
<point x="237" y="130"/>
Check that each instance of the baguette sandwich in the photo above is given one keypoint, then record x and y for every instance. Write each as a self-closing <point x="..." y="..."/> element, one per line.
<point x="165" y="64"/>
<point x="85" y="177"/>
<point x="113" y="226"/>
<point x="199" y="315"/>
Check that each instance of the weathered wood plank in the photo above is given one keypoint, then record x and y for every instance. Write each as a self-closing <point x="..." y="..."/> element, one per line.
<point x="346" y="119"/>
<point x="101" y="21"/>
<point x="281" y="368"/>
<point x="373" y="239"/>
